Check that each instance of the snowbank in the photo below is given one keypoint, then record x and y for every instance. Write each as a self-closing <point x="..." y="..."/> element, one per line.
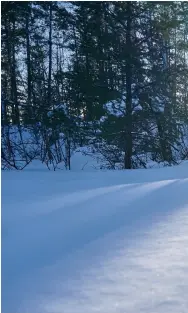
<point x="86" y="242"/>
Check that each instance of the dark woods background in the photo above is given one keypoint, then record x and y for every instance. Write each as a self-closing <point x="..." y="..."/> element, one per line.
<point x="111" y="77"/>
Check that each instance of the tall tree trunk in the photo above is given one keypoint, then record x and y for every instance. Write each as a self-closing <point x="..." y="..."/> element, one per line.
<point x="128" y="69"/>
<point x="10" y="67"/>
<point x="8" y="78"/>
<point x="13" y="79"/>
<point x="50" y="56"/>
<point x="29" y="79"/>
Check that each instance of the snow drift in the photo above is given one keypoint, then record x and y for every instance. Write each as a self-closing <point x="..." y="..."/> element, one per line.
<point x="95" y="242"/>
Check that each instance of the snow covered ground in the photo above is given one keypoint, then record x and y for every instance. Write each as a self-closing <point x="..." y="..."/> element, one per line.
<point x="75" y="242"/>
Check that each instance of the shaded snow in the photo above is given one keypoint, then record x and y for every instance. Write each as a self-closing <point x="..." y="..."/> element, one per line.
<point x="95" y="242"/>
<point x="115" y="107"/>
<point x="82" y="159"/>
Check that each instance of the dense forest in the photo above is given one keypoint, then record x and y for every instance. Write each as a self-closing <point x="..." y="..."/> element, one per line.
<point x="110" y="78"/>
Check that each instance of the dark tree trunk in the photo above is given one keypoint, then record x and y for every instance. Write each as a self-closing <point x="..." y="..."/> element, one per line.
<point x="13" y="80"/>
<point x="128" y="126"/>
<point x="29" y="78"/>
<point x="50" y="55"/>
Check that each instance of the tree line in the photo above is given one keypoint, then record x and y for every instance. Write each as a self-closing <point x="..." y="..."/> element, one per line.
<point x="112" y="76"/>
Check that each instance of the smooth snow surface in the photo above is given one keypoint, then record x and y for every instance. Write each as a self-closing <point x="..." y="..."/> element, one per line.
<point x="95" y="242"/>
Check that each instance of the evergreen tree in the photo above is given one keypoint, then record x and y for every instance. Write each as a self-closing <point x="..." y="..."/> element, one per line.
<point x="111" y="75"/>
